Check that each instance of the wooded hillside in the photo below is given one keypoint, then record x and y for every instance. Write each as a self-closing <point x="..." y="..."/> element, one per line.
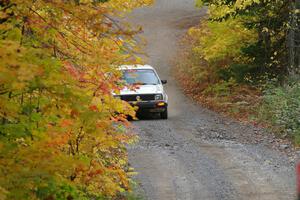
<point x="243" y="60"/>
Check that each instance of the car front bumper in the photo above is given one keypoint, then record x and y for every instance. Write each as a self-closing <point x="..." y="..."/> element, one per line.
<point x="150" y="106"/>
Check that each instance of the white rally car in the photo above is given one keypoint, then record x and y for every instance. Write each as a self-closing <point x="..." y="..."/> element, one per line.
<point x="147" y="92"/>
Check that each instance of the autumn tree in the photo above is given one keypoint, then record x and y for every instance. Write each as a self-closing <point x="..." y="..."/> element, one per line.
<point x="62" y="134"/>
<point x="270" y="20"/>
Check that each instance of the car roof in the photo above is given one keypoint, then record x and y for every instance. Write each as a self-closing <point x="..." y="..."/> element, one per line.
<point x="124" y="67"/>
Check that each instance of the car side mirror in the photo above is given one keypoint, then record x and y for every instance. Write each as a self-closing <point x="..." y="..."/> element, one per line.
<point x="164" y="82"/>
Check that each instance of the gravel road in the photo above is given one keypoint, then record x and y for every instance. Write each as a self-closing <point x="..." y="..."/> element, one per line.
<point x="197" y="154"/>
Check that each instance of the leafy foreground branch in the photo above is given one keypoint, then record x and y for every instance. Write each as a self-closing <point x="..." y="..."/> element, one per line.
<point x="60" y="136"/>
<point x="238" y="62"/>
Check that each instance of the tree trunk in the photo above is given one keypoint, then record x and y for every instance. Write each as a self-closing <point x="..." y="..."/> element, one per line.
<point x="293" y="41"/>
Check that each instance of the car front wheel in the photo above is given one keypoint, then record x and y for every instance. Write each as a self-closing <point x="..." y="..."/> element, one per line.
<point x="164" y="115"/>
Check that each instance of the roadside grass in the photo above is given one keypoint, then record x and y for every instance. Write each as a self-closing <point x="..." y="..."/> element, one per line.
<point x="281" y="108"/>
<point x="238" y="102"/>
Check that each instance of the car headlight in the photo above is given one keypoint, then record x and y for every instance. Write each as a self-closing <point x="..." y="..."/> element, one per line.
<point x="158" y="97"/>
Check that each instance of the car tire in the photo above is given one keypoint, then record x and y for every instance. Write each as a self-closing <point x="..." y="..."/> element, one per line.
<point x="164" y="115"/>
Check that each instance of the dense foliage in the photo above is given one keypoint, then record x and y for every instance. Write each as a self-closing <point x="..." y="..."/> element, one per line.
<point x="62" y="134"/>
<point x="281" y="107"/>
<point x="265" y="57"/>
<point x="240" y="59"/>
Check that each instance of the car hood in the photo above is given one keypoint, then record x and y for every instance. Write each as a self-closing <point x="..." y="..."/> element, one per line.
<point x="143" y="89"/>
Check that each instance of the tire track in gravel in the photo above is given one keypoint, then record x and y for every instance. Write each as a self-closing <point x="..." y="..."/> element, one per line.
<point x="197" y="154"/>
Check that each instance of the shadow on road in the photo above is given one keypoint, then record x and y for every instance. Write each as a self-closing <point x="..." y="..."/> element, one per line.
<point x="148" y="116"/>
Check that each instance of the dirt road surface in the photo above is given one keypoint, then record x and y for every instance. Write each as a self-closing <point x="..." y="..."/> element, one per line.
<point x="197" y="154"/>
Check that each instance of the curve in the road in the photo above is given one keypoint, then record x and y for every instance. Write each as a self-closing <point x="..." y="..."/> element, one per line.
<point x="197" y="154"/>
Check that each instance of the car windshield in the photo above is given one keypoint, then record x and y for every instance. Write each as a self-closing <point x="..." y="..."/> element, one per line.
<point x="140" y="76"/>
